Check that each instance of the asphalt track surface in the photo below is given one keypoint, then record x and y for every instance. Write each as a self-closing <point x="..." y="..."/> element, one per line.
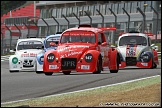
<point x="25" y="85"/>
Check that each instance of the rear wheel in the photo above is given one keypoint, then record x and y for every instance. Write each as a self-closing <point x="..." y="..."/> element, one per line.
<point x="66" y="72"/>
<point x="117" y="63"/>
<point x="99" y="65"/>
<point x="48" y="73"/>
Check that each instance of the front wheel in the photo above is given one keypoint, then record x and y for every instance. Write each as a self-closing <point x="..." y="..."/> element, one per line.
<point x="66" y="72"/>
<point x="99" y="66"/>
<point x="12" y="71"/>
<point x="39" y="72"/>
<point x="154" y="65"/>
<point x="48" y="73"/>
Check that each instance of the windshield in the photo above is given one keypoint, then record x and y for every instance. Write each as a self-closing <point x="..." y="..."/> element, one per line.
<point x="87" y="37"/>
<point x="52" y="39"/>
<point x="23" y="45"/>
<point x="135" y="40"/>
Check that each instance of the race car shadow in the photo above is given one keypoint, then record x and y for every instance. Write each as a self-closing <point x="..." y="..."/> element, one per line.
<point x="137" y="68"/>
<point x="76" y="73"/>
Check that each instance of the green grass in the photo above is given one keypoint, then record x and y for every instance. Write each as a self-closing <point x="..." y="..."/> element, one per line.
<point x="115" y="88"/>
<point x="159" y="46"/>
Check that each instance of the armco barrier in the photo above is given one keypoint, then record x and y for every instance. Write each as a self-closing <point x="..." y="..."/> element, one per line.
<point x="159" y="53"/>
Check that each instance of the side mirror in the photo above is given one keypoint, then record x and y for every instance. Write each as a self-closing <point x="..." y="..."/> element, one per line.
<point x="156" y="48"/>
<point x="103" y="44"/>
<point x="52" y="44"/>
<point x="12" y="51"/>
<point x="113" y="46"/>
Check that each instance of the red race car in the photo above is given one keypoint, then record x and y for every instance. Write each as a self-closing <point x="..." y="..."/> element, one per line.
<point x="82" y="49"/>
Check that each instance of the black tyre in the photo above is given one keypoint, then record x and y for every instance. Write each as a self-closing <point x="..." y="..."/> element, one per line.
<point x="12" y="71"/>
<point x="48" y="73"/>
<point x="39" y="72"/>
<point x="118" y="61"/>
<point x="154" y="65"/>
<point x="99" y="66"/>
<point x="66" y="72"/>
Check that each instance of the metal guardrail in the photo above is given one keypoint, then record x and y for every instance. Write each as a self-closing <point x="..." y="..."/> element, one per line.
<point x="159" y="53"/>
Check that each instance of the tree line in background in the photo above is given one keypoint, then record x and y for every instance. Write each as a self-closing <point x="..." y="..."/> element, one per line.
<point x="6" y="6"/>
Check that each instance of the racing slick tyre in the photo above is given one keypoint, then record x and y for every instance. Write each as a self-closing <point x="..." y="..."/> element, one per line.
<point x="66" y="72"/>
<point x="39" y="72"/>
<point x="118" y="61"/>
<point x="154" y="65"/>
<point x="48" y="73"/>
<point x="99" y="66"/>
<point x="12" y="71"/>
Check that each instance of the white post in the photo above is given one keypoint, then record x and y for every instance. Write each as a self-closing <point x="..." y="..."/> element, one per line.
<point x="10" y="14"/>
<point x="34" y="11"/>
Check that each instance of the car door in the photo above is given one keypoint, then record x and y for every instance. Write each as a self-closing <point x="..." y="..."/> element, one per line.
<point x="103" y="46"/>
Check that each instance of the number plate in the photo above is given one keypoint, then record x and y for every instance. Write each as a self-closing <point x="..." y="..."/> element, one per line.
<point x="14" y="66"/>
<point x="144" y="64"/>
<point x="52" y="66"/>
<point x="87" y="67"/>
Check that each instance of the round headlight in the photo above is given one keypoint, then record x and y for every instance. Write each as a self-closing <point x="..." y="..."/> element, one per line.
<point x="50" y="57"/>
<point x="14" y="60"/>
<point x="41" y="58"/>
<point x="88" y="57"/>
<point x="145" y="57"/>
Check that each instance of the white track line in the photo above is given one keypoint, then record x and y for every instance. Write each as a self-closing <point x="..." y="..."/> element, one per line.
<point x="84" y="89"/>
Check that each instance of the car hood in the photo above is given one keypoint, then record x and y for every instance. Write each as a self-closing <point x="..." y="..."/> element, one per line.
<point x="131" y="50"/>
<point x="30" y="53"/>
<point x="73" y="51"/>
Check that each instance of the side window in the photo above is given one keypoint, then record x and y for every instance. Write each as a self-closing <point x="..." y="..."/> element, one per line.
<point x="149" y="42"/>
<point x="99" y="39"/>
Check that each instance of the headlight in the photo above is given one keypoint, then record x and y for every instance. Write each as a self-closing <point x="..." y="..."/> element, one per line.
<point x="50" y="57"/>
<point x="42" y="59"/>
<point x="88" y="57"/>
<point x="145" y="57"/>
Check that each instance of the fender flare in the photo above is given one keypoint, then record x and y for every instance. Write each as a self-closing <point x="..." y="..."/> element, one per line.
<point x="112" y="55"/>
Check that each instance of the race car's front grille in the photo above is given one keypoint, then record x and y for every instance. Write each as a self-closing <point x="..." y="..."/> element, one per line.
<point x="68" y="63"/>
<point x="131" y="61"/>
<point x="28" y="63"/>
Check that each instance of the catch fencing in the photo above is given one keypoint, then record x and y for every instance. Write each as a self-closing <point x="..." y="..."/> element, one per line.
<point x="6" y="47"/>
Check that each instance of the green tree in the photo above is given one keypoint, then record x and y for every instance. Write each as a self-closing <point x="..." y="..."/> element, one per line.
<point x="6" y="6"/>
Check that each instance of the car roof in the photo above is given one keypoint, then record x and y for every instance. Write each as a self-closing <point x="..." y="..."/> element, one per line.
<point x="55" y="35"/>
<point x="92" y="29"/>
<point x="28" y="39"/>
<point x="134" y="34"/>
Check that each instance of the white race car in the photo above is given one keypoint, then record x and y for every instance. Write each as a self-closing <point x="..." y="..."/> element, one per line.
<point x="25" y="54"/>
<point x="49" y="40"/>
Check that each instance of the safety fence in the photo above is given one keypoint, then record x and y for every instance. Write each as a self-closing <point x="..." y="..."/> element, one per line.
<point x="6" y="47"/>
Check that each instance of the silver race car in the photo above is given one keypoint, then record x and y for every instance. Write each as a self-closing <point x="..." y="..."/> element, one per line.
<point x="135" y="50"/>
